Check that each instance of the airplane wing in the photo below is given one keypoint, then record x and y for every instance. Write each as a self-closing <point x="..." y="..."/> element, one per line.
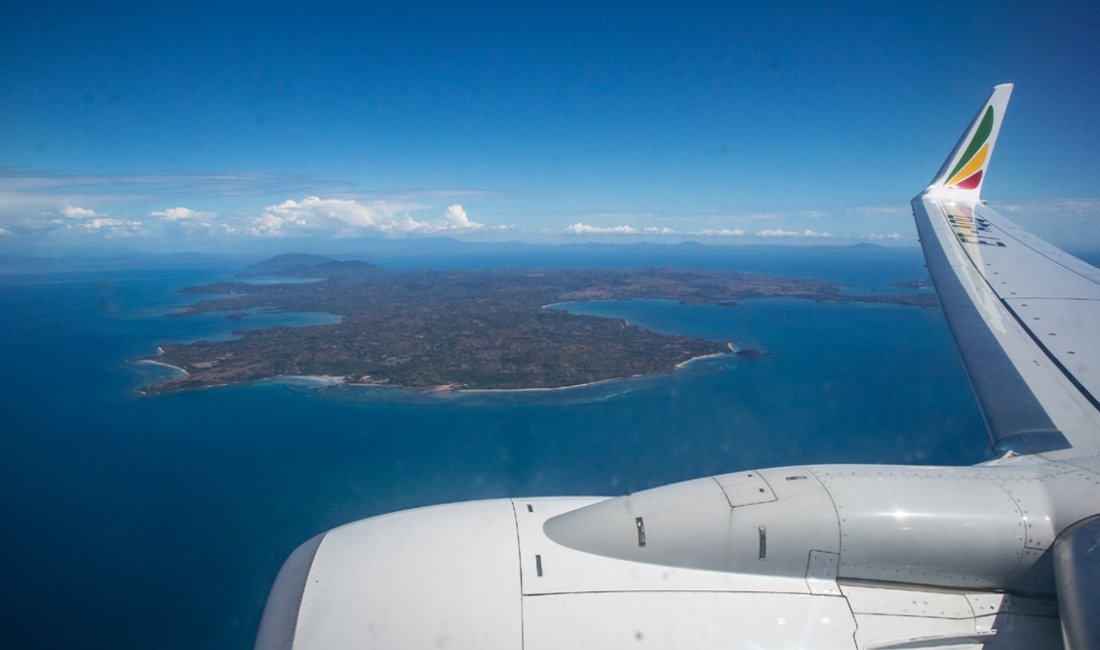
<point x="1026" y="318"/>
<point x="1023" y="313"/>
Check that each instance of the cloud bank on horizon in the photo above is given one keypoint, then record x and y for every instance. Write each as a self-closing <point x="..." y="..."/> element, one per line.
<point x="37" y="211"/>
<point x="45" y="216"/>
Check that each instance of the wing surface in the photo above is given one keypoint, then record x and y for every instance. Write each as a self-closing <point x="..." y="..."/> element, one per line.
<point x="1025" y="315"/>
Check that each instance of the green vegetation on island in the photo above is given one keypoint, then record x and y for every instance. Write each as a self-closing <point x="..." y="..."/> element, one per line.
<point x="462" y="329"/>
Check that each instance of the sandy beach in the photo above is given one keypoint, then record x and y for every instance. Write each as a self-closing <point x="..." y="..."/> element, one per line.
<point x="704" y="356"/>
<point x="154" y="362"/>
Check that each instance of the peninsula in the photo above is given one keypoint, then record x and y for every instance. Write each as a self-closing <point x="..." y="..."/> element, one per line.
<point x="462" y="329"/>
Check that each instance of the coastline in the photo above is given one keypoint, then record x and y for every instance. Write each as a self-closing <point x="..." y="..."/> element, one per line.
<point x="333" y="381"/>
<point x="705" y="356"/>
<point x="598" y="382"/>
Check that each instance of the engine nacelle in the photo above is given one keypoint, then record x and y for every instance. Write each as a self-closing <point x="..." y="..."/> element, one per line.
<point x="942" y="527"/>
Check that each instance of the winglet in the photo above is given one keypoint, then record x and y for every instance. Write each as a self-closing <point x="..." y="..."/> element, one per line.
<point x="964" y="170"/>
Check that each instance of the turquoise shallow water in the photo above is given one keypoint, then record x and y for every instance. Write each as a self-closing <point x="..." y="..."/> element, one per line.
<point x="141" y="522"/>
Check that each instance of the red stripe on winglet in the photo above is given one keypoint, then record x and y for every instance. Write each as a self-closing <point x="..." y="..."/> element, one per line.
<point x="970" y="182"/>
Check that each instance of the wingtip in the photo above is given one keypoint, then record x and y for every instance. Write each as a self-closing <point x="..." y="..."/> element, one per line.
<point x="965" y="170"/>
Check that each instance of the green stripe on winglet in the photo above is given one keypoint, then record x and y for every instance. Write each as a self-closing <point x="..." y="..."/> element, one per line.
<point x="979" y="139"/>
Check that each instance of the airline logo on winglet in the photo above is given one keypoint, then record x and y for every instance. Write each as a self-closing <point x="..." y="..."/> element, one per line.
<point x="964" y="171"/>
<point x="967" y="173"/>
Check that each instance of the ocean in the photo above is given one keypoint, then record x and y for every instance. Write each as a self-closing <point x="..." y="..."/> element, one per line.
<point x="160" y="522"/>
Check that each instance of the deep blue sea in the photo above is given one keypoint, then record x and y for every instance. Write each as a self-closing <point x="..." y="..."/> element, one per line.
<point x="160" y="522"/>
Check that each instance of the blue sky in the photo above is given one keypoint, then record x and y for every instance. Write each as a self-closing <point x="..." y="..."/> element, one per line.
<point x="212" y="126"/>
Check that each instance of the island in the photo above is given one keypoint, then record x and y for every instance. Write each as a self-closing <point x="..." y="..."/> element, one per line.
<point x="463" y="329"/>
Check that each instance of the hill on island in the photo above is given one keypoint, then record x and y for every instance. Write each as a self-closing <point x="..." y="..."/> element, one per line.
<point x="288" y="260"/>
<point x="304" y="265"/>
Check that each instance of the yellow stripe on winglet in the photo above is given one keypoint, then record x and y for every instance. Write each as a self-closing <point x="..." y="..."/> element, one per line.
<point x="974" y="165"/>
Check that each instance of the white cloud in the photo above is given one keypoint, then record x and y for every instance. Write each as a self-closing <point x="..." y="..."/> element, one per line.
<point x="86" y="220"/>
<point x="456" y="218"/>
<point x="720" y="232"/>
<point x="74" y="212"/>
<point x="348" y="217"/>
<point x="106" y="227"/>
<point x="4" y="232"/>
<point x="180" y="214"/>
<point x="268" y="224"/>
<point x="585" y="229"/>
<point x="99" y="223"/>
<point x="878" y="236"/>
<point x="777" y="232"/>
